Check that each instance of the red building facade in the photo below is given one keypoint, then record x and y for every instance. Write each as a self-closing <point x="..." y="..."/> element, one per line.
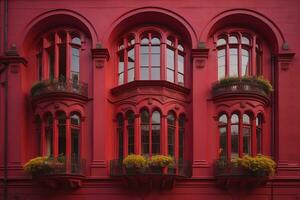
<point x="97" y="81"/>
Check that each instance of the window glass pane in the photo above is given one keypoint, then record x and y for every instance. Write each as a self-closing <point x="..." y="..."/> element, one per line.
<point x="145" y="73"/>
<point x="170" y="75"/>
<point x="247" y="140"/>
<point x="130" y="132"/>
<point x="170" y="41"/>
<point x="245" y="62"/>
<point x="234" y="136"/>
<point x="144" y="60"/>
<point x="245" y="40"/>
<point x="120" y="135"/>
<point x="181" y="64"/>
<point x="221" y="41"/>
<point x="155" y="132"/>
<point x="223" y="142"/>
<point x="223" y="120"/>
<point x="75" y="165"/>
<point x="144" y="49"/>
<point x="51" y="62"/>
<point x="145" y="131"/>
<point x="155" y="41"/>
<point x="75" y="120"/>
<point x="155" y="73"/>
<point x="170" y="58"/>
<point x="181" y="138"/>
<point x="180" y="79"/>
<point x="121" y="79"/>
<point x="76" y="40"/>
<point x="180" y="47"/>
<point x="145" y="41"/>
<point x="221" y="64"/>
<point x="259" y="132"/>
<point x="171" y="134"/>
<point x="233" y="40"/>
<point x="49" y="135"/>
<point x="131" y="41"/>
<point x="131" y="62"/>
<point x="246" y="119"/>
<point x="75" y="63"/>
<point x="233" y="62"/>
<point x="155" y="59"/>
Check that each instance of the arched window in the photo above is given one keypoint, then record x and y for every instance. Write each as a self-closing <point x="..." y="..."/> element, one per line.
<point x="130" y="131"/>
<point x="49" y="134"/>
<point x="156" y="60"/>
<point x="75" y="137"/>
<point x="259" y="131"/>
<point x="75" y="66"/>
<point x="223" y="136"/>
<point x="246" y="134"/>
<point x="181" y="134"/>
<point x="155" y="132"/>
<point x="120" y="132"/>
<point x="38" y="130"/>
<point x="171" y="133"/>
<point x="234" y="136"/>
<point x="235" y="55"/>
<point x="61" y="133"/>
<point x="145" y="128"/>
<point x="58" y="53"/>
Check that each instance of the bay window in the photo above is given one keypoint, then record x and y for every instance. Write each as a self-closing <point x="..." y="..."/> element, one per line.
<point x="236" y="135"/>
<point x="58" y="55"/>
<point x="238" y="54"/>
<point x="151" y="55"/>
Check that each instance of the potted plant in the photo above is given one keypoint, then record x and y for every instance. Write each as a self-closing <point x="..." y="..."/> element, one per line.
<point x="157" y="163"/>
<point x="45" y="165"/>
<point x="38" y="166"/>
<point x="135" y="163"/>
<point x="259" y="165"/>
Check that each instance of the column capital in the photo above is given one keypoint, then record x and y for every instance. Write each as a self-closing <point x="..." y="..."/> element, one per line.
<point x="199" y="57"/>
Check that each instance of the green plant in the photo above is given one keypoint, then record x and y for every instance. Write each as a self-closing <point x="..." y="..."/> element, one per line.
<point x="37" y="86"/>
<point x="135" y="161"/>
<point x="161" y="161"/>
<point x="258" y="80"/>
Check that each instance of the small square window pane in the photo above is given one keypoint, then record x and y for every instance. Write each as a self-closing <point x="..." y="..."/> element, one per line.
<point x="170" y="75"/>
<point x="144" y="60"/>
<point x="155" y="49"/>
<point x="181" y="79"/>
<point x="144" y="49"/>
<point x="155" y="59"/>
<point x="155" y="73"/>
<point x="144" y="73"/>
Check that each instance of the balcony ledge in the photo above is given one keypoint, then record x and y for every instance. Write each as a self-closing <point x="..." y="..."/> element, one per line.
<point x="240" y="89"/>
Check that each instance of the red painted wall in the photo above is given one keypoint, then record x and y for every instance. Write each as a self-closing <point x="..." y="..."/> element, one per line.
<point x="104" y="22"/>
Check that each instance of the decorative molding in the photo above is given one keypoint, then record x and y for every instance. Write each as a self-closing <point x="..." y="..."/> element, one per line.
<point x="199" y="57"/>
<point x="284" y="60"/>
<point x="100" y="55"/>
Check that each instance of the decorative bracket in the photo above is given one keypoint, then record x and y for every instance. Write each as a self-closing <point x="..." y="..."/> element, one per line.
<point x="285" y="59"/>
<point x="100" y="55"/>
<point x="199" y="57"/>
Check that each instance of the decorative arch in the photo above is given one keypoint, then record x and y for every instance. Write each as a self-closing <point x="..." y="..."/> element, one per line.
<point x="150" y="15"/>
<point x="56" y="18"/>
<point x="255" y="20"/>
